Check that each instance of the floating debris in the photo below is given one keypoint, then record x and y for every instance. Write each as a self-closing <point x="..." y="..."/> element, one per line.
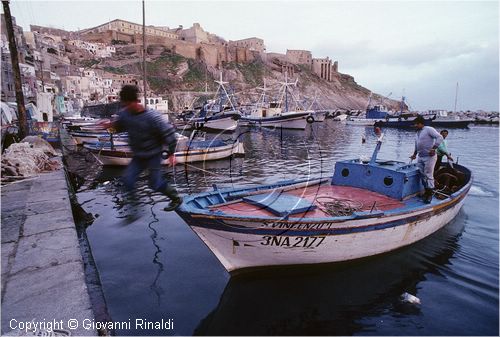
<point x="409" y="298"/>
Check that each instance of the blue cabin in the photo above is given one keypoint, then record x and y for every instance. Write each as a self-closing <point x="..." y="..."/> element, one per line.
<point x="391" y="178"/>
<point x="376" y="112"/>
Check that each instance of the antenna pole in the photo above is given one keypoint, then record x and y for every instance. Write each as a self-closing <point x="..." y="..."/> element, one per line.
<point x="144" y="51"/>
<point x="286" y="91"/>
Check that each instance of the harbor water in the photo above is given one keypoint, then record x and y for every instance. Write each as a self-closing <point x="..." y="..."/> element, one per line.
<point x="154" y="267"/>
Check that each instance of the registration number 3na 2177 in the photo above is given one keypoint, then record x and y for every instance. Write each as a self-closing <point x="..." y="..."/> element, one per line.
<point x="293" y="241"/>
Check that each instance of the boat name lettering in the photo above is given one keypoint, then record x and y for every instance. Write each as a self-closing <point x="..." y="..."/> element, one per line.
<point x="300" y="226"/>
<point x="293" y="241"/>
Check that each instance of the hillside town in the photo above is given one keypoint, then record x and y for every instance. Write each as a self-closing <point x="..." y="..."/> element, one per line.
<point x="59" y="73"/>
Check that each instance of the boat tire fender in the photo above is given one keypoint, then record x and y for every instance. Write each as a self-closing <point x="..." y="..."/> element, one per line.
<point x="310" y="119"/>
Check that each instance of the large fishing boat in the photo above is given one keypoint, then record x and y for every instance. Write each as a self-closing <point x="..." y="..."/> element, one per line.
<point x="219" y="114"/>
<point x="277" y="113"/>
<point x="366" y="208"/>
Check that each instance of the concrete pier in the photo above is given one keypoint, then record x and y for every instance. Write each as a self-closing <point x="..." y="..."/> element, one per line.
<point x="43" y="276"/>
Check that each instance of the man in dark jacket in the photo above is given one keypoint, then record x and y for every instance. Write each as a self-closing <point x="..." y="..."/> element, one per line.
<point x="147" y="133"/>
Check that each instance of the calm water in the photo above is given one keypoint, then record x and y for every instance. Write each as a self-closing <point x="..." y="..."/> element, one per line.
<point x="156" y="267"/>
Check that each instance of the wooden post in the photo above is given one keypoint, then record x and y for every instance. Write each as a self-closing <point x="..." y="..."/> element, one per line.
<point x="21" y="110"/>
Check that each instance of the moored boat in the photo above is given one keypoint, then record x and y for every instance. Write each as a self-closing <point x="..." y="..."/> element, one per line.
<point x="277" y="113"/>
<point x="189" y="152"/>
<point x="340" y="118"/>
<point x="443" y="119"/>
<point x="372" y="115"/>
<point x="81" y="137"/>
<point x="365" y="209"/>
<point x="219" y="114"/>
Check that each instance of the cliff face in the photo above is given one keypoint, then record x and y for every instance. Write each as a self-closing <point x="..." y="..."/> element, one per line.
<point x="168" y="72"/>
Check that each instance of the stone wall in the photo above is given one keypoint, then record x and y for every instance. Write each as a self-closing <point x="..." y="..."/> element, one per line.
<point x="107" y="36"/>
<point x="299" y="56"/>
<point x="252" y="43"/>
<point x="211" y="54"/>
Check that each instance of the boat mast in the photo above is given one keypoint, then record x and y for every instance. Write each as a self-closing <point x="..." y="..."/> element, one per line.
<point x="262" y="99"/>
<point x="286" y="84"/>
<point x="286" y="91"/>
<point x="221" y="85"/>
<point x="144" y="51"/>
<point x="456" y="94"/>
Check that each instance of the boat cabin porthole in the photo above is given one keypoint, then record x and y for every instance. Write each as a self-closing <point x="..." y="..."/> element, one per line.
<point x="388" y="181"/>
<point x="345" y="172"/>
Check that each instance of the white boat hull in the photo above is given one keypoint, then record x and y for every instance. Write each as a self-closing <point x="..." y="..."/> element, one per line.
<point x="237" y="250"/>
<point x="188" y="156"/>
<point x="81" y="139"/>
<point x="340" y="118"/>
<point x="223" y="124"/>
<point x="289" y="123"/>
<point x="361" y="121"/>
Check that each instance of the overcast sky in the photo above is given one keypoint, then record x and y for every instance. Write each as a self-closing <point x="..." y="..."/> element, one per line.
<point x="416" y="48"/>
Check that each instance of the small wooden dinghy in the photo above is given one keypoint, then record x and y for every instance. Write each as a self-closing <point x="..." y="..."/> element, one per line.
<point x="365" y="209"/>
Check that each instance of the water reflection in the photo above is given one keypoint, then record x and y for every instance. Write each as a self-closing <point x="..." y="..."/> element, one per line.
<point x="155" y="287"/>
<point x="329" y="299"/>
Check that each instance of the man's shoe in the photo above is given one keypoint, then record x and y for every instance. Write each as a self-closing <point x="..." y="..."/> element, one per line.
<point x="174" y="203"/>
<point x="428" y="195"/>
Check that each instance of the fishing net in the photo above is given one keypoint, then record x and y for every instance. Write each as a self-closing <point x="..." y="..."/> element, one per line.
<point x="27" y="159"/>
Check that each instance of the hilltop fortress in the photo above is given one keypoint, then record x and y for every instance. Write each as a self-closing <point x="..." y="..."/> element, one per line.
<point x="89" y="66"/>
<point x="195" y="43"/>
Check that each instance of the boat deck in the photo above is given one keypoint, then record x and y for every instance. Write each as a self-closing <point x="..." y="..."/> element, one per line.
<point x="319" y="195"/>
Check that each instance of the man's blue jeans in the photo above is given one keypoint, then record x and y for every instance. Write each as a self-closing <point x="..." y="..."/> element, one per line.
<point x="156" y="181"/>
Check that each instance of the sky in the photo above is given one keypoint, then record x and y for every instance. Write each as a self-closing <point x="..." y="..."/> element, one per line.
<point x="416" y="49"/>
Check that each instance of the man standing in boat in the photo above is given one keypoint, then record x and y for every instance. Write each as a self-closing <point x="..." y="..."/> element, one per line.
<point x="426" y="142"/>
<point x="442" y="151"/>
<point x="147" y="132"/>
